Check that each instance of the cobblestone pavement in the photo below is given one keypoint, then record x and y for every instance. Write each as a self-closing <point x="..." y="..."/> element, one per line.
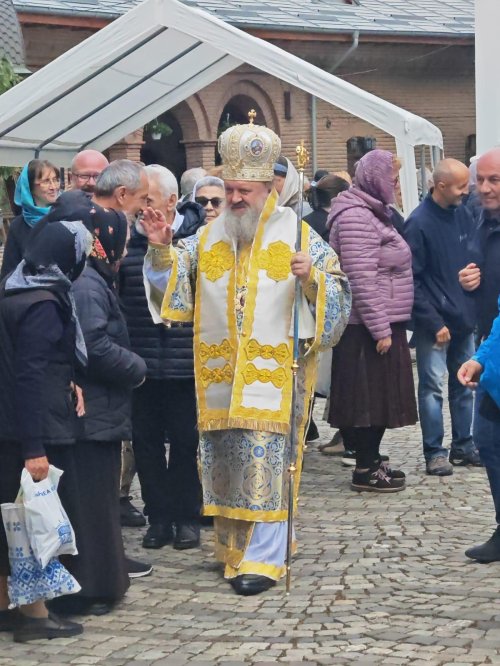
<point x="377" y="580"/>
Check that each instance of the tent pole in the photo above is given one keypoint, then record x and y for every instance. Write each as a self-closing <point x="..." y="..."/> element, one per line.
<point x="423" y="174"/>
<point x="314" y="134"/>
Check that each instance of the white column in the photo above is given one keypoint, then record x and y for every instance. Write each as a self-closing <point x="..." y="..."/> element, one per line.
<point x="487" y="85"/>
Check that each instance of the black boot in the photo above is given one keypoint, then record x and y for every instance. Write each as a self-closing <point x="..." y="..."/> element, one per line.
<point x="129" y="515"/>
<point x="486" y="552"/>
<point x="187" y="535"/>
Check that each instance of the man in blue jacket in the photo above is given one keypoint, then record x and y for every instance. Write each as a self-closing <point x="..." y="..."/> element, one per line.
<point x="443" y="316"/>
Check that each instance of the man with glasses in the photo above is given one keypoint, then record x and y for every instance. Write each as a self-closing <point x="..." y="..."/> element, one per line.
<point x="85" y="170"/>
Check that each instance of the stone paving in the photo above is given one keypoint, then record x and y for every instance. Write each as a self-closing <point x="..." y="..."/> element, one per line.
<point x="377" y="580"/>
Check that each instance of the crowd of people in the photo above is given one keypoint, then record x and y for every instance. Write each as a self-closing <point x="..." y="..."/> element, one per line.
<point x="135" y="322"/>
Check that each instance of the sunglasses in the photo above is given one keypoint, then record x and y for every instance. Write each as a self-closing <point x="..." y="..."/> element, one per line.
<point x="204" y="201"/>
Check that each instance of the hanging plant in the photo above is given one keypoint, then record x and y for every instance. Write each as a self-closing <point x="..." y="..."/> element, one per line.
<point x="8" y="79"/>
<point x="156" y="129"/>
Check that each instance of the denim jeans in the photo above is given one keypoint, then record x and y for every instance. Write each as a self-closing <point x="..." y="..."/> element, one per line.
<point x="487" y="440"/>
<point x="433" y="362"/>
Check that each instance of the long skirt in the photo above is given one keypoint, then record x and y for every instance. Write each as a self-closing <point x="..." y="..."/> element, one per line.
<point x="371" y="389"/>
<point x="89" y="492"/>
<point x="94" y="496"/>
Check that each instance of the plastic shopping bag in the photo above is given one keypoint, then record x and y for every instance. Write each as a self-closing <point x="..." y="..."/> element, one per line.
<point x="49" y="530"/>
<point x="29" y="581"/>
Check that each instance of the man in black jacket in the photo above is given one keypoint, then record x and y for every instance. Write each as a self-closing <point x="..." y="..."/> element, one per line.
<point x="481" y="277"/>
<point x="165" y="405"/>
<point x="443" y="316"/>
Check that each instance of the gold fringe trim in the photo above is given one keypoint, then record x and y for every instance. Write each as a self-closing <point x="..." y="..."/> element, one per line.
<point x="245" y="514"/>
<point x="205" y="423"/>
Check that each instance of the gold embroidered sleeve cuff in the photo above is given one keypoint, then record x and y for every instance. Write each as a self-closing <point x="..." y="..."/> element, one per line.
<point x="310" y="286"/>
<point x="160" y="256"/>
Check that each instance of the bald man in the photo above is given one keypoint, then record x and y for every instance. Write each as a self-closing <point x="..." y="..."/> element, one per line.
<point x="85" y="169"/>
<point x="443" y="316"/>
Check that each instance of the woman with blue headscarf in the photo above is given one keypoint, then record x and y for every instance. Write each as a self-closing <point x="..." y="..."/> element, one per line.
<point x="37" y="188"/>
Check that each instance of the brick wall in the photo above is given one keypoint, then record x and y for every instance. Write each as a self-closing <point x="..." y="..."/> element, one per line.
<point x="434" y="81"/>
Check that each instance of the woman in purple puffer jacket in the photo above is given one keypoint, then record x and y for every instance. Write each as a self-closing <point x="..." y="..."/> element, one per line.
<point x="372" y="381"/>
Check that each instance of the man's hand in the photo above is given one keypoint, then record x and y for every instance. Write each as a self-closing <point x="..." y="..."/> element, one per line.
<point x="38" y="468"/>
<point x="470" y="277"/>
<point x="156" y="227"/>
<point x="469" y="373"/>
<point x="443" y="336"/>
<point x="384" y="345"/>
<point x="301" y="265"/>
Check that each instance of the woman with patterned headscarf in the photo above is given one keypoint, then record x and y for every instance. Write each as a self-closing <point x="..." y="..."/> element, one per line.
<point x="113" y="370"/>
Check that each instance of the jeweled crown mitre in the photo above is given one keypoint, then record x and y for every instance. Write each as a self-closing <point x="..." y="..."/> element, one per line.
<point x="249" y="151"/>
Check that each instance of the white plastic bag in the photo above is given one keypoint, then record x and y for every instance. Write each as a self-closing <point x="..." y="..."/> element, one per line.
<point x="49" y="530"/>
<point x="28" y="581"/>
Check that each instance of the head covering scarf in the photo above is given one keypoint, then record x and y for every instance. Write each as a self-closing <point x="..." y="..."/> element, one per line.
<point x="109" y="228"/>
<point x="374" y="176"/>
<point x="53" y="259"/>
<point x="290" y="192"/>
<point x="24" y="198"/>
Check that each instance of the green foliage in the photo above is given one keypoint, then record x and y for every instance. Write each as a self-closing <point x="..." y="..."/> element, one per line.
<point x="8" y="79"/>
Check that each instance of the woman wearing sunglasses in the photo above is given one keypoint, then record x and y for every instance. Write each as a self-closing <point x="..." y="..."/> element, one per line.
<point x="209" y="193"/>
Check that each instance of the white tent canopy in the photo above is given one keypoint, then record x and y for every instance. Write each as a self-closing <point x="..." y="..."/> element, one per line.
<point x="152" y="58"/>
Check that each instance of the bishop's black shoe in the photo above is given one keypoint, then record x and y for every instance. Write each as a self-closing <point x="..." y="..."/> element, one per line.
<point x="129" y="515"/>
<point x="486" y="552"/>
<point x="158" y="535"/>
<point x="249" y="584"/>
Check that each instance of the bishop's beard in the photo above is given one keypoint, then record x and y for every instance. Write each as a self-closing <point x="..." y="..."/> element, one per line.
<point x="241" y="228"/>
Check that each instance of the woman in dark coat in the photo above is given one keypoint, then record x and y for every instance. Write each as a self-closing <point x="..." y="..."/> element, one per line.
<point x="111" y="374"/>
<point x="372" y="381"/>
<point x="322" y="193"/>
<point x="40" y="344"/>
<point x="37" y="188"/>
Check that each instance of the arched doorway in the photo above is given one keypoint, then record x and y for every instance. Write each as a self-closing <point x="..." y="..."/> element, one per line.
<point x="236" y="113"/>
<point x="169" y="151"/>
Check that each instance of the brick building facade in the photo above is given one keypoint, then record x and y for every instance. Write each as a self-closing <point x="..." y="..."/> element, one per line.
<point x="430" y="76"/>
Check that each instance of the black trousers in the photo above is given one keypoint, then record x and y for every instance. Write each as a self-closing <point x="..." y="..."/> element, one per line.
<point x="166" y="409"/>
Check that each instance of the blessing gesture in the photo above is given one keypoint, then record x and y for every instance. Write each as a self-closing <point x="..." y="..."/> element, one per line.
<point x="157" y="229"/>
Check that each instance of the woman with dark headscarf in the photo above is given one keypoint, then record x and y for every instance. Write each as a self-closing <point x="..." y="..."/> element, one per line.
<point x="40" y="344"/>
<point x="372" y="381"/>
<point x="37" y="188"/>
<point x="112" y="372"/>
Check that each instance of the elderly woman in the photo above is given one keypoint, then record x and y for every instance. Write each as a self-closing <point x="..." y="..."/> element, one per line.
<point x="113" y="370"/>
<point x="40" y="345"/>
<point x="372" y="382"/>
<point x="37" y="188"/>
<point x="210" y="194"/>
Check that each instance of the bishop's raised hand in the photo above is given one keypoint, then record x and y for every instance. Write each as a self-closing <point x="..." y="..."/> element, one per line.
<point x="157" y="229"/>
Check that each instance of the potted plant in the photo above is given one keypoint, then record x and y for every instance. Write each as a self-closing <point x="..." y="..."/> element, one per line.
<point x="157" y="129"/>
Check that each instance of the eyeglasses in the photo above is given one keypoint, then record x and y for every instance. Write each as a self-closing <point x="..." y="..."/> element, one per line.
<point x="86" y="176"/>
<point x="204" y="201"/>
<point x="47" y="182"/>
